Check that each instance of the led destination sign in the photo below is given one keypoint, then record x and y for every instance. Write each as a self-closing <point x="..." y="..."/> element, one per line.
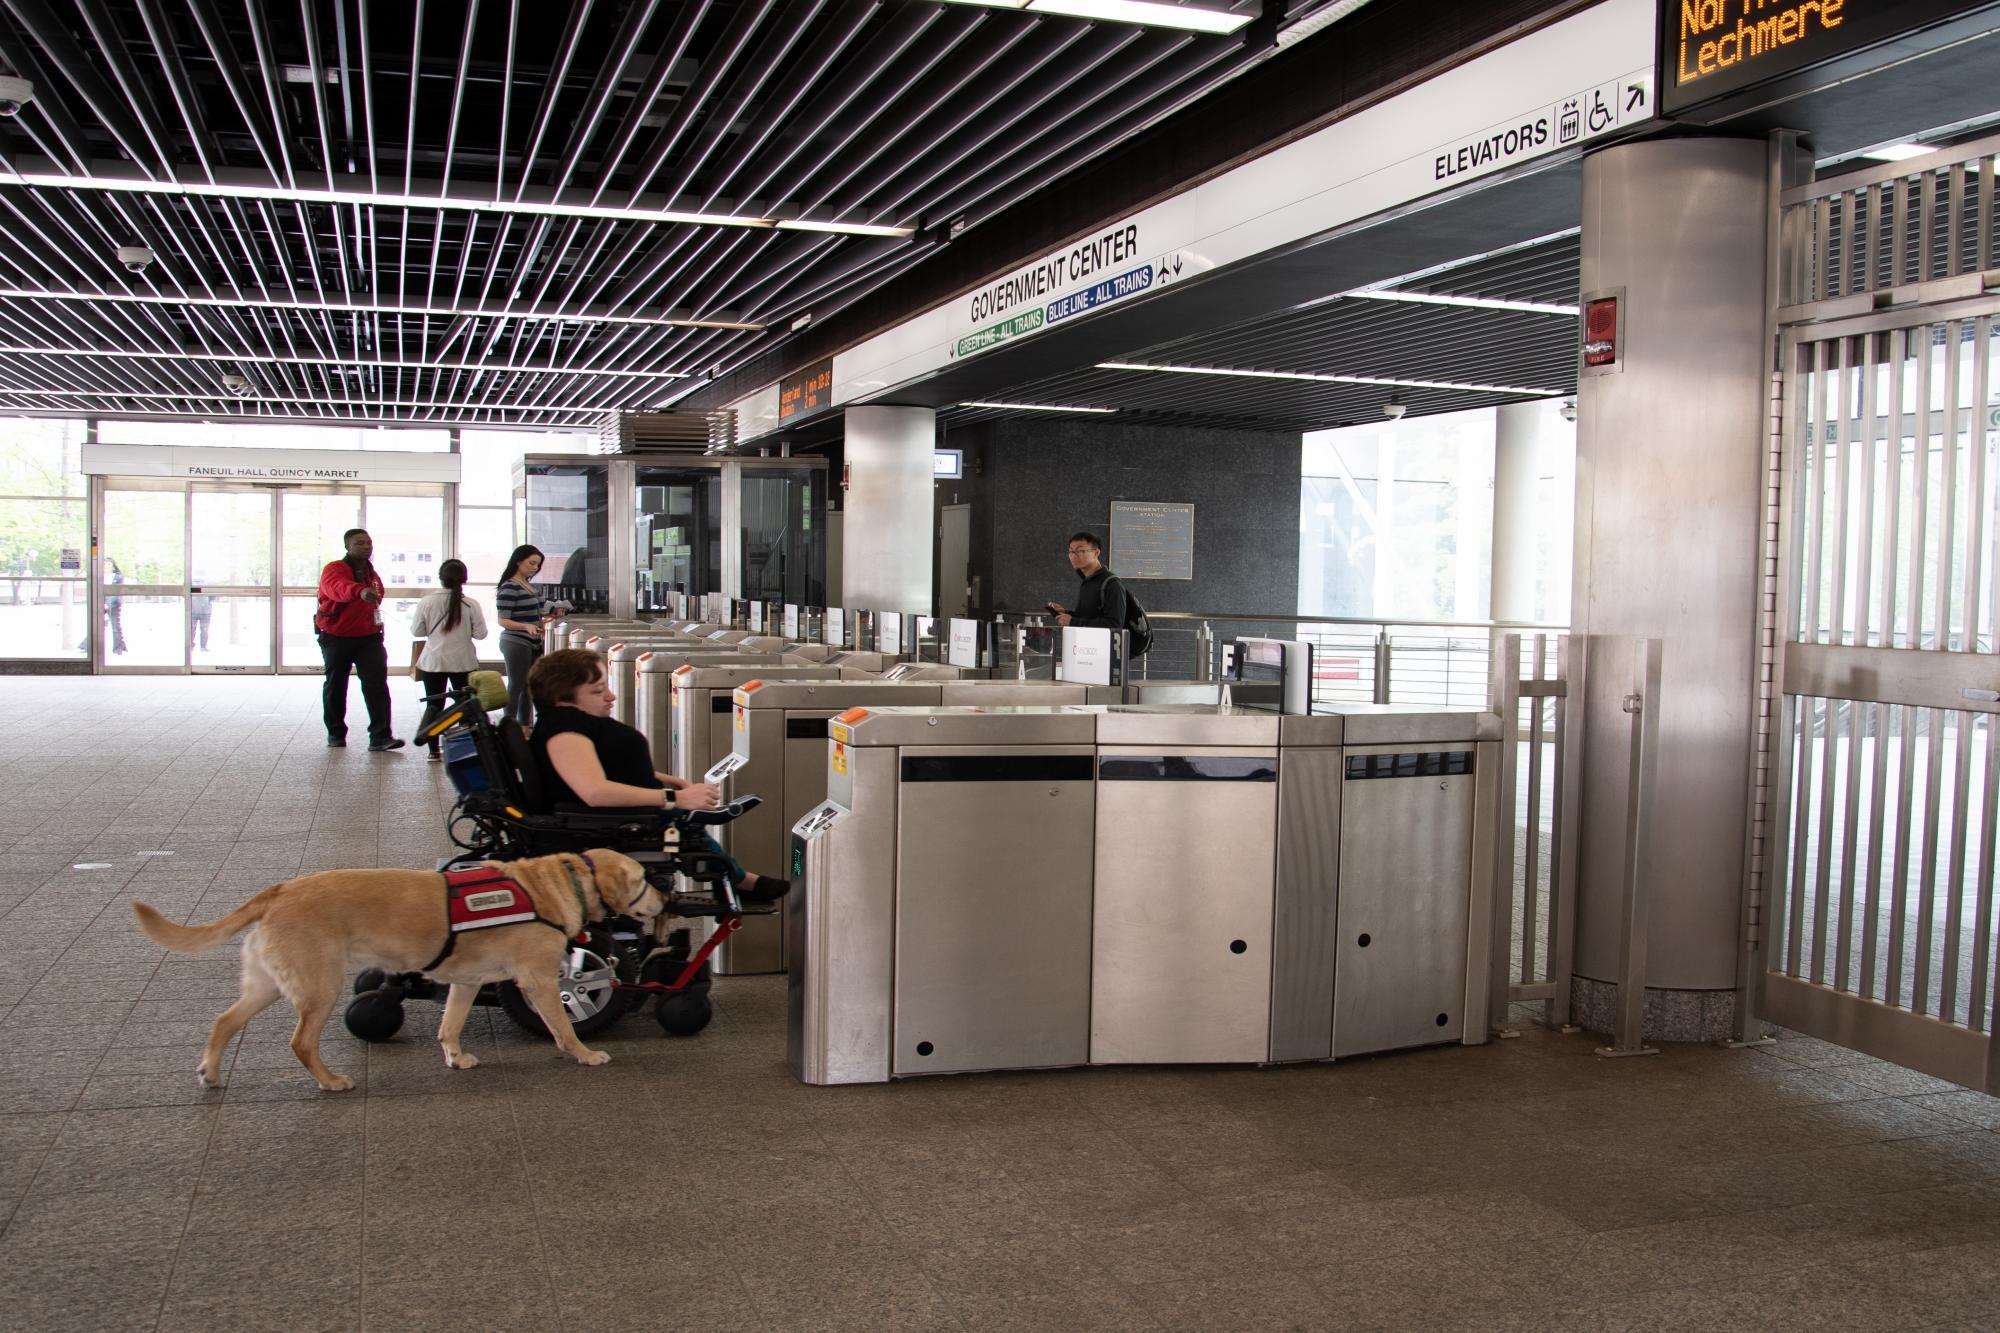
<point x="806" y="392"/>
<point x="1710" y="48"/>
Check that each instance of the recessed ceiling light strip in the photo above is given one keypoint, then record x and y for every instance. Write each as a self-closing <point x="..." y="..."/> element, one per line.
<point x="1143" y="13"/>
<point x="1038" y="407"/>
<point x="1381" y="380"/>
<point x="1470" y="302"/>
<point x="451" y="203"/>
<point x="371" y="308"/>
<point x="288" y="359"/>
<point x="239" y="404"/>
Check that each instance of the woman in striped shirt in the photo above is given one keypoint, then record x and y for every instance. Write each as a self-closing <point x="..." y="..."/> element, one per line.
<point x="519" y="609"/>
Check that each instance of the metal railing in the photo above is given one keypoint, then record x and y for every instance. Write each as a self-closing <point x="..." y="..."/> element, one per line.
<point x="1437" y="662"/>
<point x="1535" y="678"/>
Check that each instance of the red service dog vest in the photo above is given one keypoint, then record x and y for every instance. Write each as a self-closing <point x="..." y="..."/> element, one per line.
<point x="478" y="898"/>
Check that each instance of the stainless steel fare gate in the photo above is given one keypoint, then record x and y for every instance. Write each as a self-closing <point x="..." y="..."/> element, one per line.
<point x="1874" y="833"/>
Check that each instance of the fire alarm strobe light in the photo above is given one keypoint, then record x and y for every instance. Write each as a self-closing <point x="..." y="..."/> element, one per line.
<point x="1600" y="332"/>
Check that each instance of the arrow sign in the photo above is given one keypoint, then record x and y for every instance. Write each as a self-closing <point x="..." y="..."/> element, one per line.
<point x="1635" y="96"/>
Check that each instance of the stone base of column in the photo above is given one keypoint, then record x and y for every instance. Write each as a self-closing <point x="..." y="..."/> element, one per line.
<point x="1670" y="1015"/>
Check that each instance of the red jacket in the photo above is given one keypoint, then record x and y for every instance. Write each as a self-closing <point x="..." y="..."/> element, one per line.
<point x="342" y="612"/>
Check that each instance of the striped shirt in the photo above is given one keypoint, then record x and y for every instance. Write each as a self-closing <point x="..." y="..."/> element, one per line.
<point x="514" y="602"/>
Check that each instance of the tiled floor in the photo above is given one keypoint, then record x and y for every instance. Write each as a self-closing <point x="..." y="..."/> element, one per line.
<point x="692" y="1184"/>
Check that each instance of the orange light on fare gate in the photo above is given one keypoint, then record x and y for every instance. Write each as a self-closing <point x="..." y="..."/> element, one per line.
<point x="645" y="657"/>
<point x="852" y="715"/>
<point x="684" y="669"/>
<point x="616" y="646"/>
<point x="748" y="686"/>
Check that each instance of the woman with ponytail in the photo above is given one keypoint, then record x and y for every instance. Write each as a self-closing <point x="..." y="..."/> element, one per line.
<point x="444" y="625"/>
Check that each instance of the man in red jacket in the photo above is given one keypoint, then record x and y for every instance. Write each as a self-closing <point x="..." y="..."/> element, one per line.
<point x="349" y="622"/>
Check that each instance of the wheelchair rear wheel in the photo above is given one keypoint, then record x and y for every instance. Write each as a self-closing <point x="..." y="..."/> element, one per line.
<point x="587" y="995"/>
<point x="375" y="1015"/>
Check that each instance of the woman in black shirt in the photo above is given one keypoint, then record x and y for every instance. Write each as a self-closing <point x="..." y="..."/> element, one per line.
<point x="587" y="757"/>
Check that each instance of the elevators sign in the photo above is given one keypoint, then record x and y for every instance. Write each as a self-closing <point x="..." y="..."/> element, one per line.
<point x="1152" y="540"/>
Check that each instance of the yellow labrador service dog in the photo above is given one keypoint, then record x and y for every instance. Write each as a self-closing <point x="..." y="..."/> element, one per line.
<point x="307" y="935"/>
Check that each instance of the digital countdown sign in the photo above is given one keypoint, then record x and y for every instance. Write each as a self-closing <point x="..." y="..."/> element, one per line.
<point x="1711" y="48"/>
<point x="807" y="392"/>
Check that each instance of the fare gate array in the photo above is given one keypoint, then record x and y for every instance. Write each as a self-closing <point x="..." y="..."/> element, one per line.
<point x="1019" y="887"/>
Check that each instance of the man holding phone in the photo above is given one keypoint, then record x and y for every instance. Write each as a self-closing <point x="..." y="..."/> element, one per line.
<point x="349" y="621"/>
<point x="1101" y="601"/>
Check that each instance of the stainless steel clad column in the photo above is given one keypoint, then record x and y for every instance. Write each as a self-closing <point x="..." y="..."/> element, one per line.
<point x="1187" y="817"/>
<point x="1304" y="934"/>
<point x="888" y="521"/>
<point x="1668" y="507"/>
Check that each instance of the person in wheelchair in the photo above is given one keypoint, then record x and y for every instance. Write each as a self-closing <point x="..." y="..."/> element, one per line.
<point x="584" y="756"/>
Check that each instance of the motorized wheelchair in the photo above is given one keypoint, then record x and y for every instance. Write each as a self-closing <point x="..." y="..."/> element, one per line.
<point x="619" y="964"/>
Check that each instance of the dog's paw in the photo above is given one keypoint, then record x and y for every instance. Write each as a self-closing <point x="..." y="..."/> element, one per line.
<point x="337" y="1083"/>
<point x="589" y="1057"/>
<point x="463" y="1060"/>
<point x="203" y="1077"/>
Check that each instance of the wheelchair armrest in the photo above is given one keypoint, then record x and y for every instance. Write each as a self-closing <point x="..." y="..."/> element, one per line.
<point x="583" y="817"/>
<point x="723" y="813"/>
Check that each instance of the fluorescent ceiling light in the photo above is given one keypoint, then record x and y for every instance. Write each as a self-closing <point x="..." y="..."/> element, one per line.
<point x="453" y="203"/>
<point x="1332" y="379"/>
<point x="1898" y="152"/>
<point x="224" y="397"/>
<point x="369" y="308"/>
<point x="1469" y="302"/>
<point x="289" y="359"/>
<point x="1145" y="13"/>
<point x="1039" y="407"/>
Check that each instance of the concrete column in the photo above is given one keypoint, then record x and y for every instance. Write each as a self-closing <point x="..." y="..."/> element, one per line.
<point x="1517" y="460"/>
<point x="1667" y="514"/>
<point x="732" y="528"/>
<point x="887" y="529"/>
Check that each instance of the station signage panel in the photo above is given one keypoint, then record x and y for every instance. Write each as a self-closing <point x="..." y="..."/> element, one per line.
<point x="807" y="392"/>
<point x="1712" y="48"/>
<point x="1152" y="539"/>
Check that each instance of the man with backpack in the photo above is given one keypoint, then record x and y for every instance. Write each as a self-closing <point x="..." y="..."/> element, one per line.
<point x="1102" y="601"/>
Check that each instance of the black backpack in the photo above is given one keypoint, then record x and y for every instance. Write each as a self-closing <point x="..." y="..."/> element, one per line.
<point x="1138" y="626"/>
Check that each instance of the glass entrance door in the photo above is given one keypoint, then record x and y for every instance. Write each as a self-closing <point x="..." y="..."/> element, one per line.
<point x="140" y="583"/>
<point x="310" y="525"/>
<point x="229" y="580"/>
<point x="225" y="578"/>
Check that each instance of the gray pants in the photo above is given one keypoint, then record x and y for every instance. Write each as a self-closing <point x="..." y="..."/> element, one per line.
<point x="520" y="655"/>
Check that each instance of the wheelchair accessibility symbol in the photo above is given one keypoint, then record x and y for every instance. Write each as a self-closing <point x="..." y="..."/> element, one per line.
<point x="1600" y="114"/>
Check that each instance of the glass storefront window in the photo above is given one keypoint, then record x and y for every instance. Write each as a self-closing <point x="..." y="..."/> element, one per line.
<point x="678" y="538"/>
<point x="485" y="540"/>
<point x="784" y="545"/>
<point x="146" y="536"/>
<point x="41" y="458"/>
<point x="310" y="525"/>
<point x="568" y="513"/>
<point x="42" y="617"/>
<point x="486" y="475"/>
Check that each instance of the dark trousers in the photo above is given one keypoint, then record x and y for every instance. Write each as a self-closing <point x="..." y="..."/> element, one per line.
<point x="364" y="655"/>
<point x="434" y="688"/>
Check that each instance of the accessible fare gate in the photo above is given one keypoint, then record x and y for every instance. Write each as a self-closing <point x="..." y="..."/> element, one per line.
<point x="1873" y="857"/>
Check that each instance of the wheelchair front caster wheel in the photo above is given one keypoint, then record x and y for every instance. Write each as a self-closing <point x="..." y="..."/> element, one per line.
<point x="368" y="979"/>
<point x="375" y="1016"/>
<point x="683" y="1015"/>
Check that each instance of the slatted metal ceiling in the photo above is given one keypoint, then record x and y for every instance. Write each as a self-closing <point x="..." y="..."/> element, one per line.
<point x="469" y="211"/>
<point x="1350" y="336"/>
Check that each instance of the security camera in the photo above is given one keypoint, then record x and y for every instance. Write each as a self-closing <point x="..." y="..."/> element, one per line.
<point x="15" y="93"/>
<point x="1568" y="409"/>
<point x="1394" y="410"/>
<point x="236" y="384"/>
<point x="135" y="257"/>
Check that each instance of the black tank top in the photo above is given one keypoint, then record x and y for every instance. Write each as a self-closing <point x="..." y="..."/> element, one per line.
<point x="622" y="750"/>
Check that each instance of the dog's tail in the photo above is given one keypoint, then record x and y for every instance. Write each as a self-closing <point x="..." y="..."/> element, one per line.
<point x="194" y="939"/>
